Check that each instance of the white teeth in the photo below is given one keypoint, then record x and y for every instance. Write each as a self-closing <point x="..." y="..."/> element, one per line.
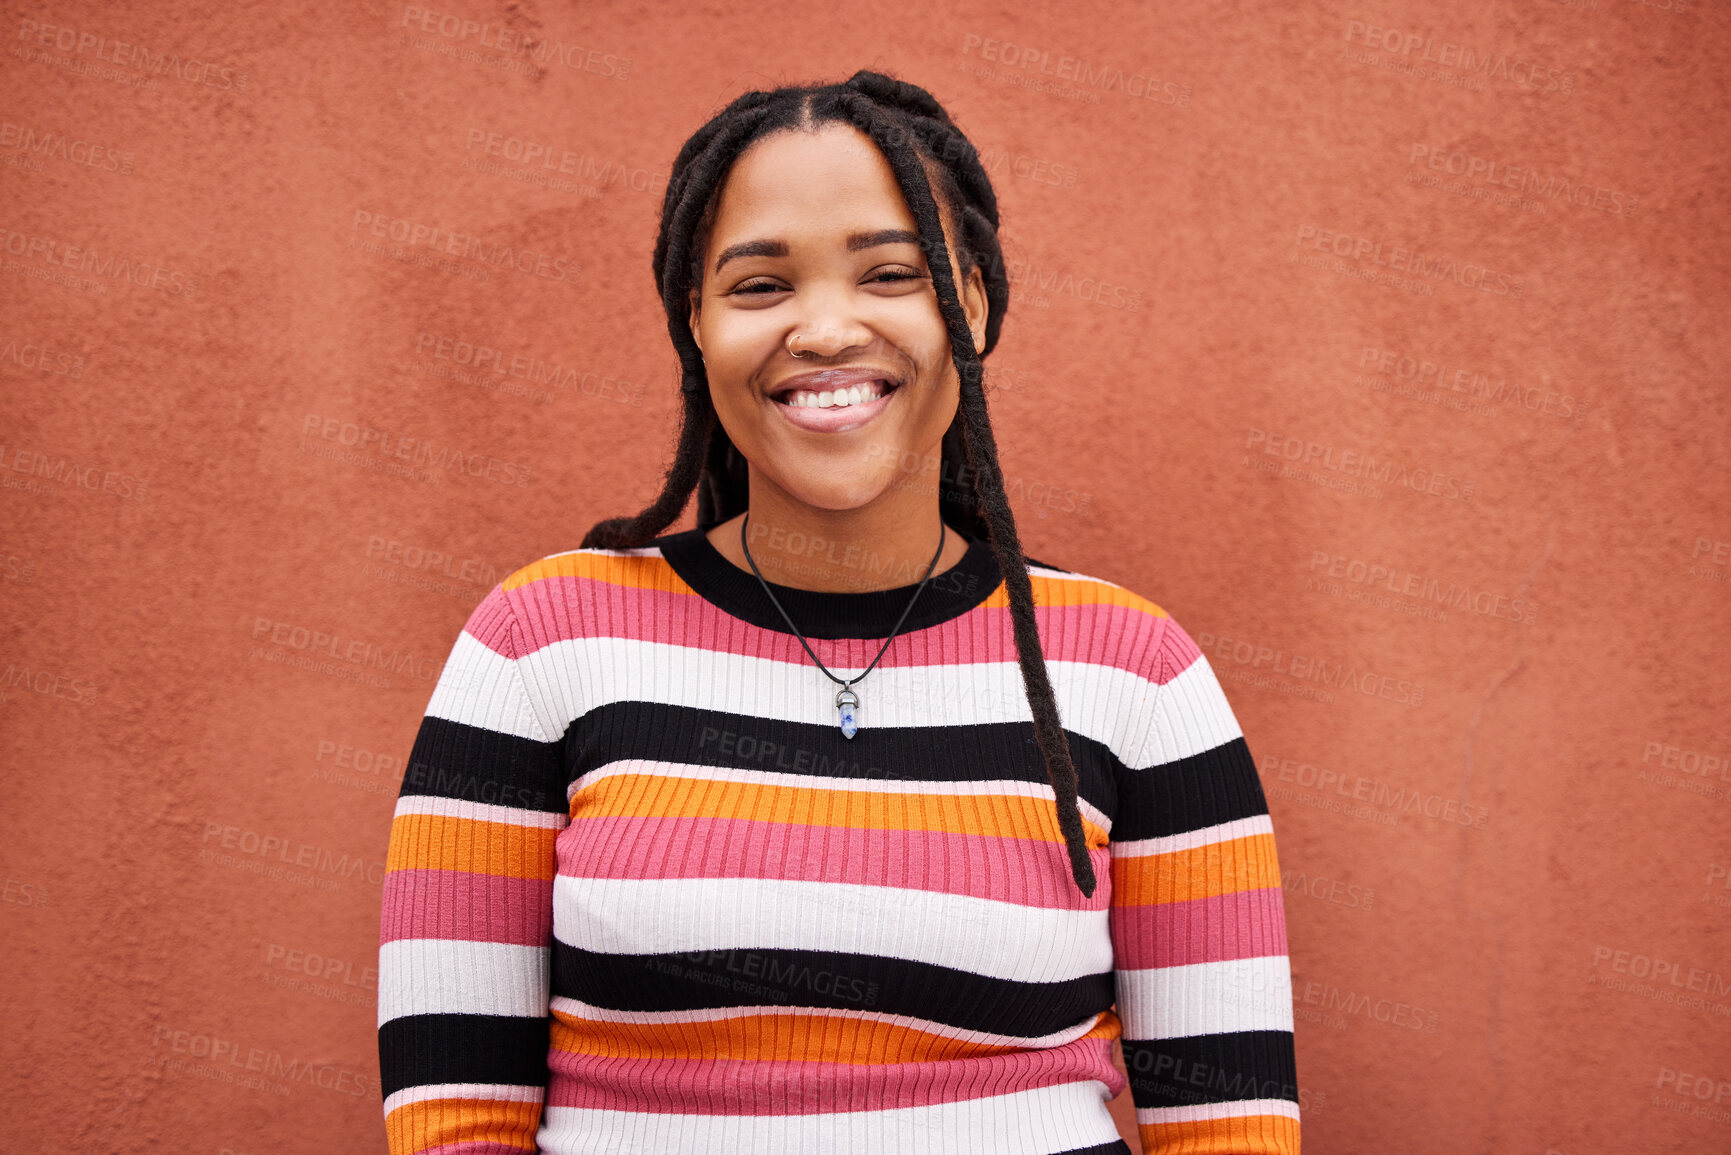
<point x="838" y="398"/>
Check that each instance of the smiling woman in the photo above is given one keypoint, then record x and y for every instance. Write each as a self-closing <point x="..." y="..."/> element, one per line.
<point x="657" y="883"/>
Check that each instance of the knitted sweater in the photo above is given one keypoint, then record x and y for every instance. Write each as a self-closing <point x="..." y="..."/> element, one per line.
<point x="644" y="896"/>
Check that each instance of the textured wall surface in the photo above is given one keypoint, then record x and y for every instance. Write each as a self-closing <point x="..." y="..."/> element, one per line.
<point x="1382" y="343"/>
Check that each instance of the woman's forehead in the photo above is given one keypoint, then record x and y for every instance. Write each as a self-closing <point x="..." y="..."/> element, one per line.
<point x="827" y="182"/>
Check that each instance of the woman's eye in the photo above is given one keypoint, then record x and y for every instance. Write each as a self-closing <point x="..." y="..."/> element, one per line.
<point x="898" y="275"/>
<point x="754" y="286"/>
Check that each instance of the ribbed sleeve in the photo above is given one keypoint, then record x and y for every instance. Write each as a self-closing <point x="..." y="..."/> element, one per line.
<point x="1199" y="931"/>
<point x="466" y="928"/>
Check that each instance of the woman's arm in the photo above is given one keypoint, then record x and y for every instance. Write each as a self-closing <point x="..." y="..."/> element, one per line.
<point x="1199" y="930"/>
<point x="466" y="925"/>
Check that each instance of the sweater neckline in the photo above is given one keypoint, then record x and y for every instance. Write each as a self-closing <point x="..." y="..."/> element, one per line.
<point x="831" y="614"/>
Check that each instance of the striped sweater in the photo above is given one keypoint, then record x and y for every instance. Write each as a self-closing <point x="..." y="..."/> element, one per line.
<point x="644" y="896"/>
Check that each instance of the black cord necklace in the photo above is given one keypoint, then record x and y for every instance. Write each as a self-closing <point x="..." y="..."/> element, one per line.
<point x="846" y="701"/>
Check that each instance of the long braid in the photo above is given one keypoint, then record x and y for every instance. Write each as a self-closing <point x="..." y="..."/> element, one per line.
<point x="697" y="173"/>
<point x="983" y="457"/>
<point x="910" y="127"/>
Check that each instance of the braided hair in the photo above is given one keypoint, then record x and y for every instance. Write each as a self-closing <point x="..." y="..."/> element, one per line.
<point x="919" y="140"/>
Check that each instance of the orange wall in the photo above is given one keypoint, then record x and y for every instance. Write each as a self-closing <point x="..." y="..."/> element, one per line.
<point x="1505" y="839"/>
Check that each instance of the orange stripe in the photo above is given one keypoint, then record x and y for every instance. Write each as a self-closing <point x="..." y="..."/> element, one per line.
<point x="1226" y="867"/>
<point x="653" y="573"/>
<point x="434" y="1122"/>
<point x="648" y="573"/>
<point x="1240" y="1135"/>
<point x="1110" y="1026"/>
<point x="660" y="796"/>
<point x="438" y="842"/>
<point x="802" y="1037"/>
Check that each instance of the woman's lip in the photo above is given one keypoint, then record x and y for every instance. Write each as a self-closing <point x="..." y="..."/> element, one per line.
<point x="836" y="418"/>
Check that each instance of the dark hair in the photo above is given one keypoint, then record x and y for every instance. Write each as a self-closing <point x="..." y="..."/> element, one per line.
<point x="913" y="131"/>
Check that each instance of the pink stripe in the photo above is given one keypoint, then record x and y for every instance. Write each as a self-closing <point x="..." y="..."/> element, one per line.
<point x="490" y="624"/>
<point x="1178" y="651"/>
<point x="1006" y="869"/>
<point x="1245" y="924"/>
<point x="758" y="1087"/>
<point x="1101" y="634"/>
<point x="455" y="904"/>
<point x="480" y="1148"/>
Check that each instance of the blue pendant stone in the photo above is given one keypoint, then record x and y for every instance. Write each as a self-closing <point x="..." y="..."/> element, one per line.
<point x="849" y="726"/>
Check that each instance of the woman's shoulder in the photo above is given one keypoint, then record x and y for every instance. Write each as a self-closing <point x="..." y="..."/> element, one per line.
<point x="574" y="567"/>
<point x="560" y="596"/>
<point x="1144" y="635"/>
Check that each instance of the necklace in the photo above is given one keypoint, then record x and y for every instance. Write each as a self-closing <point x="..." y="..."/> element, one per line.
<point x="846" y="701"/>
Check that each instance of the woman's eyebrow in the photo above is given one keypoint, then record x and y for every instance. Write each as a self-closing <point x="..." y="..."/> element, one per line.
<point x="855" y="242"/>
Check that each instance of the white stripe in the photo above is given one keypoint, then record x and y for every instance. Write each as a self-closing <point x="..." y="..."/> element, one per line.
<point x="1198" y="1112"/>
<point x="575" y="1008"/>
<point x="491" y="1092"/>
<point x="981" y="936"/>
<point x="1192" y="715"/>
<point x="1032" y="1122"/>
<point x="1195" y="839"/>
<point x="480" y="687"/>
<point x="434" y="976"/>
<point x="1111" y="706"/>
<point x="811" y="782"/>
<point x="479" y="811"/>
<point x="1249" y="994"/>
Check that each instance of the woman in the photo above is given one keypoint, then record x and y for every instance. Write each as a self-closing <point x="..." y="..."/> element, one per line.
<point x="689" y="859"/>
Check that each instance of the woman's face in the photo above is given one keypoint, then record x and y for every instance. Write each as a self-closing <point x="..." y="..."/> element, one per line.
<point x="813" y="247"/>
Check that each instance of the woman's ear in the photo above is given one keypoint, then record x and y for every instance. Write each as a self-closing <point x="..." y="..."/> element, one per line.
<point x="694" y="318"/>
<point x="974" y="306"/>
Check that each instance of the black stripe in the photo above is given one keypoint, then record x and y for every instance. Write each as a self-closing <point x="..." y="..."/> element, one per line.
<point x="1204" y="789"/>
<point x="1034" y="561"/>
<point x="967" y="753"/>
<point x="826" y="614"/>
<point x="1212" y="1068"/>
<point x="455" y="760"/>
<point x="1116" y="1147"/>
<point x="417" y="1050"/>
<point x="815" y="978"/>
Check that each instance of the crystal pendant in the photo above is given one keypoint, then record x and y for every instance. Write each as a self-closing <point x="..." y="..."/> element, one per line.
<point x="847" y="702"/>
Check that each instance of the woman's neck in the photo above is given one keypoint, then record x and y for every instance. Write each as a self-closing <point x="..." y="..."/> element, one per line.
<point x="839" y="551"/>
